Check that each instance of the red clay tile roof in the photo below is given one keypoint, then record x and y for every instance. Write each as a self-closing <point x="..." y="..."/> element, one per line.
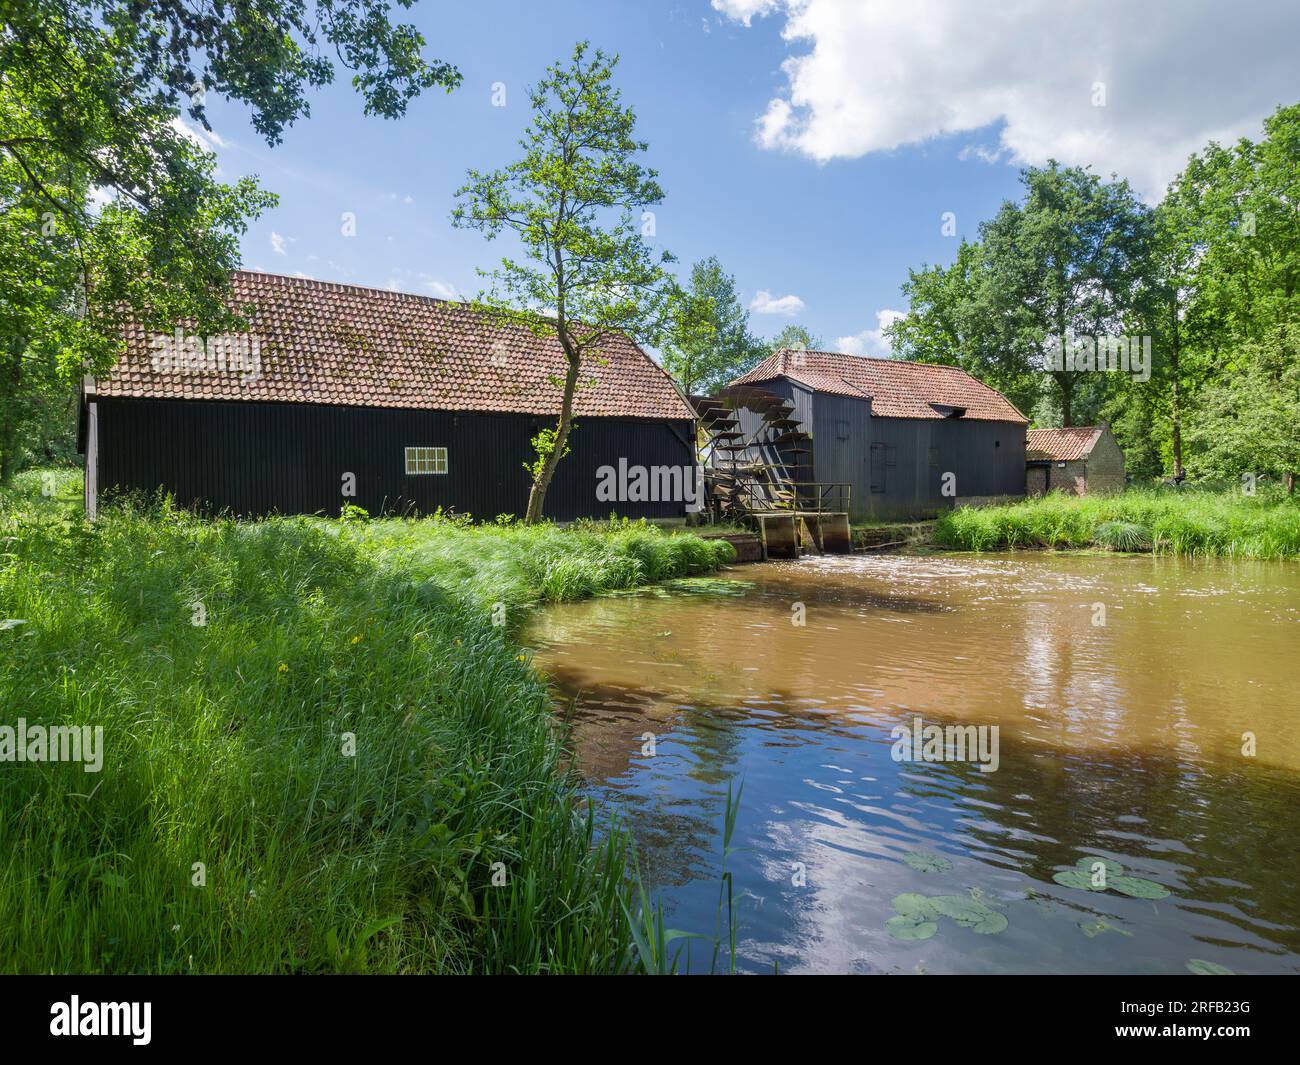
<point x="1062" y="445"/>
<point x="320" y="342"/>
<point x="897" y="389"/>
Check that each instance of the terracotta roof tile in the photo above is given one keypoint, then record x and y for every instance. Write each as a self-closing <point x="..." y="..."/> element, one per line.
<point x="897" y="389"/>
<point x="1061" y="445"/>
<point x="320" y="342"/>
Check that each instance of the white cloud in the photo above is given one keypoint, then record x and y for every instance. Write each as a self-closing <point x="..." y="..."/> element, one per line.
<point x="871" y="342"/>
<point x="206" y="139"/>
<point x="766" y="303"/>
<point x="744" y="10"/>
<point x="442" y="289"/>
<point x="983" y="153"/>
<point x="277" y="243"/>
<point x="874" y="76"/>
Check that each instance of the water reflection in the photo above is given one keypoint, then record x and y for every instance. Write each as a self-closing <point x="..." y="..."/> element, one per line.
<point x="1122" y="740"/>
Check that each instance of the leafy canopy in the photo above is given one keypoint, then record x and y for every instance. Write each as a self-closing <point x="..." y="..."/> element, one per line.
<point x="709" y="342"/>
<point x="575" y="203"/>
<point x="109" y="203"/>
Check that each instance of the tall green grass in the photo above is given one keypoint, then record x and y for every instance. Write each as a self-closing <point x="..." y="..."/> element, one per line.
<point x="517" y="565"/>
<point x="346" y="767"/>
<point x="1221" y="524"/>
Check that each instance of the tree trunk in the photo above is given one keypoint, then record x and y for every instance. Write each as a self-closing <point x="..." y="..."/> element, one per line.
<point x="10" y="391"/>
<point x="1290" y="483"/>
<point x="1065" y="381"/>
<point x="1176" y="406"/>
<point x="537" y="494"/>
<point x="1064" y="378"/>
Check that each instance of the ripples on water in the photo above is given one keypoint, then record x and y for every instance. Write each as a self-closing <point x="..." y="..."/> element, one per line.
<point x="1122" y="741"/>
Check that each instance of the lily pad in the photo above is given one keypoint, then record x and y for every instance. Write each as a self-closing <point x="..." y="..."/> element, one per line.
<point x="1097" y="927"/>
<point x="903" y="927"/>
<point x="991" y="924"/>
<point x="970" y="913"/>
<point x="1208" y="968"/>
<point x="927" y="862"/>
<point x="961" y="908"/>
<point x="917" y="907"/>
<point x="1075" y="878"/>
<point x="1090" y="866"/>
<point x="1137" y="888"/>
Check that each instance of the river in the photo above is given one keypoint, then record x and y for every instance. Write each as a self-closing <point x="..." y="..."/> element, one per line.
<point x="1137" y="711"/>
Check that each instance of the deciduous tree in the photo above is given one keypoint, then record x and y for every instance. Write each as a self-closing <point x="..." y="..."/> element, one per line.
<point x="576" y="202"/>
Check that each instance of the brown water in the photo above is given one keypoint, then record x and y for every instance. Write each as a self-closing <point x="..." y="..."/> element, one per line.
<point x="1121" y="740"/>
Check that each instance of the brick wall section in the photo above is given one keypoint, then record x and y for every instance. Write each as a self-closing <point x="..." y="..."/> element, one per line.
<point x="1097" y="472"/>
<point x="1072" y="480"/>
<point x="1105" y="465"/>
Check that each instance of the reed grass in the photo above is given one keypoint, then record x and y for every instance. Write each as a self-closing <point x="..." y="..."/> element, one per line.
<point x="231" y="829"/>
<point x="1191" y="523"/>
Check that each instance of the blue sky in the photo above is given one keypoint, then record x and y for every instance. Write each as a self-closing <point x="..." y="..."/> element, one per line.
<point x="814" y="146"/>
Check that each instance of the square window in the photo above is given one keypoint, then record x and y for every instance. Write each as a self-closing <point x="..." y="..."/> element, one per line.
<point x="425" y="460"/>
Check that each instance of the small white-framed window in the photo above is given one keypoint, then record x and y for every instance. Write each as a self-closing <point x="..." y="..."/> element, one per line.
<point x="420" y="460"/>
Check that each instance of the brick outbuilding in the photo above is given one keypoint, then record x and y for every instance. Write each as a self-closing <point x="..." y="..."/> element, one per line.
<point x="1080" y="460"/>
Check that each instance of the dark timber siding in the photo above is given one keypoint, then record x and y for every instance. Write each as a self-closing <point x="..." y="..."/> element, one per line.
<point x="840" y="427"/>
<point x="912" y="455"/>
<point x="261" y="458"/>
<point x="904" y="458"/>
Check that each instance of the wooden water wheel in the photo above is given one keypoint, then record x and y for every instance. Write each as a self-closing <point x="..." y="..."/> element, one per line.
<point x="755" y="452"/>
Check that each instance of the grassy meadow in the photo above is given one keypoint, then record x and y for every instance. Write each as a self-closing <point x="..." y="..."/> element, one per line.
<point x="1188" y="522"/>
<point x="323" y="751"/>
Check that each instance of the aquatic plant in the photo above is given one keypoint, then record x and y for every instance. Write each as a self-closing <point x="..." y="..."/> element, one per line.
<point x="917" y="916"/>
<point x="927" y="862"/>
<point x="1097" y="927"/>
<point x="914" y="917"/>
<point x="649" y="930"/>
<point x="1102" y="874"/>
<point x="1227" y="524"/>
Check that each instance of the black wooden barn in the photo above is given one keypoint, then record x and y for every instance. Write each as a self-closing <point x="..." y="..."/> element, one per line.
<point x="396" y="403"/>
<point x="906" y="440"/>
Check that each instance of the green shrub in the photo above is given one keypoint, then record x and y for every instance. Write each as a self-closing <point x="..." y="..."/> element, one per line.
<point x="1123" y="536"/>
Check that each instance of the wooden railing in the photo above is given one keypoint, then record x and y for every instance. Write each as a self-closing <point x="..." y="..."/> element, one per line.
<point x="818" y="497"/>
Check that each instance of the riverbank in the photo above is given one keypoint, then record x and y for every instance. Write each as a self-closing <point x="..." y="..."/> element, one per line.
<point x="322" y="749"/>
<point x="1215" y="524"/>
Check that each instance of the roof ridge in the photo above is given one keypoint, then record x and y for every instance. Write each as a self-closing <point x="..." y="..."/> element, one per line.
<point x="341" y="286"/>
<point x="888" y="360"/>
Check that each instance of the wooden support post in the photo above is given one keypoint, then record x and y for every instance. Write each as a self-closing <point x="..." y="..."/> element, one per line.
<point x="837" y="535"/>
<point x="780" y="535"/>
